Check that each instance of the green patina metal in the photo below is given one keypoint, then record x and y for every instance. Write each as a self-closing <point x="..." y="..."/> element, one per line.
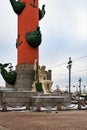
<point x="9" y="77"/>
<point x="41" y="12"/>
<point x="39" y="86"/>
<point x="34" y="38"/>
<point x="18" y="6"/>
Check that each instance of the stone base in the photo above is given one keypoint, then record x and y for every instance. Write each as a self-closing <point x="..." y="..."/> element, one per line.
<point x="50" y="99"/>
<point x="23" y="84"/>
<point x="25" y="77"/>
<point x="16" y="98"/>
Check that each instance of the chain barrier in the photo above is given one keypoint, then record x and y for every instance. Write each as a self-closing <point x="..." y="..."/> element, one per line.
<point x="68" y="106"/>
<point x="46" y="106"/>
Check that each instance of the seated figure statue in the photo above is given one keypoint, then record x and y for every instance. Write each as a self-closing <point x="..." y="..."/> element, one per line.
<point x="42" y="77"/>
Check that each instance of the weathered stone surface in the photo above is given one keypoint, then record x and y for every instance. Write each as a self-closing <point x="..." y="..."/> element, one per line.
<point x="25" y="77"/>
<point x="17" y="98"/>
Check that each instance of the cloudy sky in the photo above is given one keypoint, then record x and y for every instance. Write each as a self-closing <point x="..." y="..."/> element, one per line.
<point x="64" y="35"/>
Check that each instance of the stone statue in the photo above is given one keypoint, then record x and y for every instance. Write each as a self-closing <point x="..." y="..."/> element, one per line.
<point x="41" y="76"/>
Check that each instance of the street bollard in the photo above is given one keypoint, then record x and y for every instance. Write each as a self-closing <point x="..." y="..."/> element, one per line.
<point x="58" y="105"/>
<point x="27" y="104"/>
<point x="4" y="106"/>
<point x="79" y="104"/>
<point x="38" y="107"/>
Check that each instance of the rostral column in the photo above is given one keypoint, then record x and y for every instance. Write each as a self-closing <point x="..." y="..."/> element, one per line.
<point x="27" y="22"/>
<point x="28" y="40"/>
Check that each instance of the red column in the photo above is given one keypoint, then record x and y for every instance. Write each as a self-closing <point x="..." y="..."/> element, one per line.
<point x="27" y="22"/>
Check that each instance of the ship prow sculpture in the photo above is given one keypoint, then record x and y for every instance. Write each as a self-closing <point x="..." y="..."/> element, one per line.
<point x="9" y="77"/>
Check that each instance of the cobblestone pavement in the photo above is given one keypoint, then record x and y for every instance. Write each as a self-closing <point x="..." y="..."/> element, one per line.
<point x="63" y="120"/>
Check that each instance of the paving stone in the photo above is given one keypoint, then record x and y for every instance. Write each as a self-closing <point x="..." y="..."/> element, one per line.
<point x="3" y="128"/>
<point x="63" y="120"/>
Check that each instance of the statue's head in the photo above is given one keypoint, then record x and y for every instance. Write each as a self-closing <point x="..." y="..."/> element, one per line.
<point x="43" y="67"/>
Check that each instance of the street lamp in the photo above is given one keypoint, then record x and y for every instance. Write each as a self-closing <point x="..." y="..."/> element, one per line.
<point x="80" y="80"/>
<point x="84" y="89"/>
<point x="69" y="67"/>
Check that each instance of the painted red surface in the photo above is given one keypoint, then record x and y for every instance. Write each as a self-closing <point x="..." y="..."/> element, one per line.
<point x="27" y="22"/>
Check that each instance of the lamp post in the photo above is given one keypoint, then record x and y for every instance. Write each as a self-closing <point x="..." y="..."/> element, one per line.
<point x="67" y="89"/>
<point x="69" y="67"/>
<point x="80" y="80"/>
<point x="84" y="89"/>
